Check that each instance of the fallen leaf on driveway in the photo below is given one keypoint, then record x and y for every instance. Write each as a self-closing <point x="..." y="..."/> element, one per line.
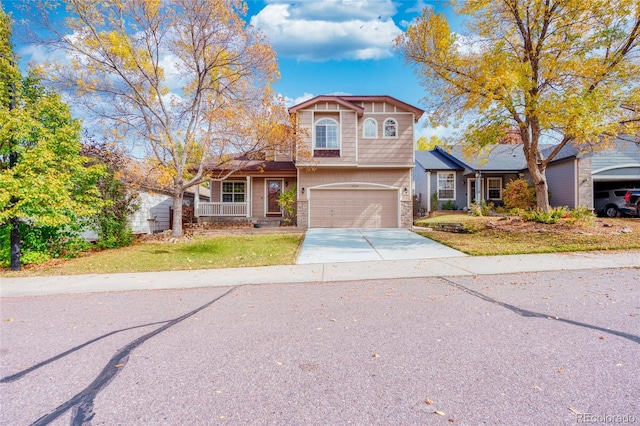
<point x="428" y="402"/>
<point x="376" y="356"/>
<point x="574" y="411"/>
<point x="440" y="413"/>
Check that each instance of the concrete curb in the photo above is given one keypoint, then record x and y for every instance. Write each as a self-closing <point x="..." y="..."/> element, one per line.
<point x="321" y="272"/>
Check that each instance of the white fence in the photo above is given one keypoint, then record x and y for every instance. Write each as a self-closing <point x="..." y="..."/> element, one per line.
<point x="222" y="209"/>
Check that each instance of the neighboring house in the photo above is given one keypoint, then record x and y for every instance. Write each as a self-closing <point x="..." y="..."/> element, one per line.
<point x="572" y="177"/>
<point x="359" y="173"/>
<point x="154" y="210"/>
<point x="155" y="205"/>
<point x="461" y="179"/>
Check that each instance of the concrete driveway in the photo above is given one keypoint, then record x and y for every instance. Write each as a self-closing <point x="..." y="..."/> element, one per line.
<point x="330" y="245"/>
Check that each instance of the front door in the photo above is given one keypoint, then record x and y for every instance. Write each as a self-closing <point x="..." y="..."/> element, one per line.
<point x="471" y="194"/>
<point x="274" y="189"/>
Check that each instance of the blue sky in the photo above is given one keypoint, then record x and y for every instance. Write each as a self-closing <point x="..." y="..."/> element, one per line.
<point x="329" y="46"/>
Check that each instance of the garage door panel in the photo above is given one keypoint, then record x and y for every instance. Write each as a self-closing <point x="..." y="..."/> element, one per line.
<point x="353" y="208"/>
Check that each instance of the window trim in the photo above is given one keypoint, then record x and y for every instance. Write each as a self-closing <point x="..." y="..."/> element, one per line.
<point x="233" y="193"/>
<point x="438" y="185"/>
<point x="315" y="134"/>
<point x="489" y="180"/>
<point x="364" y="128"/>
<point x="384" y="128"/>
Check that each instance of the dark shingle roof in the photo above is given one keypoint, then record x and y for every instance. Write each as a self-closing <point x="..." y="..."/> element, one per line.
<point x="435" y="160"/>
<point x="499" y="158"/>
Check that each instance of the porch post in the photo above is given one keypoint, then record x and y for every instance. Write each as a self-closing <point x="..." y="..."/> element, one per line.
<point x="196" y="202"/>
<point x="247" y="200"/>
<point x="479" y="188"/>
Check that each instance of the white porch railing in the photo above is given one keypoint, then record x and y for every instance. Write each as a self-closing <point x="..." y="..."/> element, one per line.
<point x="222" y="209"/>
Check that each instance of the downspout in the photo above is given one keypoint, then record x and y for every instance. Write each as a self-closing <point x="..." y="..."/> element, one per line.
<point x="428" y="190"/>
<point x="576" y="188"/>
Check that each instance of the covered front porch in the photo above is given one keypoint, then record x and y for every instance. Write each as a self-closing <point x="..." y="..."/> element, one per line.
<point x="247" y="194"/>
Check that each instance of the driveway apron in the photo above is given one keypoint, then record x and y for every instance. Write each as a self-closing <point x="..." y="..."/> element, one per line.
<point x="331" y="245"/>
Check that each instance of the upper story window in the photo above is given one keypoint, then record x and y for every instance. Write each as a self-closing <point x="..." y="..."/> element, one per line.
<point x="370" y="128"/>
<point x="326" y="134"/>
<point x="390" y="128"/>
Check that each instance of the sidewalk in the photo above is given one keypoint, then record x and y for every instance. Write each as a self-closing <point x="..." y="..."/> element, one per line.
<point x="326" y="272"/>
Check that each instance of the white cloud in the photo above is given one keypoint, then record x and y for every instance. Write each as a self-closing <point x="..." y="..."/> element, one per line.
<point x="422" y="128"/>
<point x="419" y="6"/>
<point x="330" y="29"/>
<point x="289" y="102"/>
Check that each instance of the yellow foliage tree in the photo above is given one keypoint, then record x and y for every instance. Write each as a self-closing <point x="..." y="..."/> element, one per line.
<point x="187" y="80"/>
<point x="561" y="71"/>
<point x="427" y="144"/>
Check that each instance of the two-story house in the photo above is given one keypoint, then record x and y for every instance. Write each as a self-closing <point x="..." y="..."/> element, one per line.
<point x="358" y="174"/>
<point x="362" y="150"/>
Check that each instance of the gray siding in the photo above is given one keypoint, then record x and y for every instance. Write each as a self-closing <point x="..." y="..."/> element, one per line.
<point x="420" y="186"/>
<point x="460" y="193"/>
<point x="561" y="180"/>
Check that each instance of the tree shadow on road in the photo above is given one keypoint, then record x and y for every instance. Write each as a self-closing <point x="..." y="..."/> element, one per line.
<point x="531" y="314"/>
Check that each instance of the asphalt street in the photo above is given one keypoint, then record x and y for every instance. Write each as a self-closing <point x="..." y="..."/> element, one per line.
<point x="527" y="348"/>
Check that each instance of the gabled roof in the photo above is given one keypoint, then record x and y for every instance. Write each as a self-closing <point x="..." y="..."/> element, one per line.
<point x="435" y="160"/>
<point x="494" y="158"/>
<point x="352" y="102"/>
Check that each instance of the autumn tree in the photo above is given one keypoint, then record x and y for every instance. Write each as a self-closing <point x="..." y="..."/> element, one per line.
<point x="186" y="80"/>
<point x="44" y="181"/>
<point x="561" y="71"/>
<point x="428" y="143"/>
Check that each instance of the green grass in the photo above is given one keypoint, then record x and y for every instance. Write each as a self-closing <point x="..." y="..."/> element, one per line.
<point x="486" y="241"/>
<point x="209" y="253"/>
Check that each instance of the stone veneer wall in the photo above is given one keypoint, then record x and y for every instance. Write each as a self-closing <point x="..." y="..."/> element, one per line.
<point x="303" y="216"/>
<point x="406" y="214"/>
<point x="585" y="183"/>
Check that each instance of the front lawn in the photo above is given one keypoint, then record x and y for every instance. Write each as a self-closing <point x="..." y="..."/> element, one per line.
<point x="495" y="236"/>
<point x="201" y="253"/>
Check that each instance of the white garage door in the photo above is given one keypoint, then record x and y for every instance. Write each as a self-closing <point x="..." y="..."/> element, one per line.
<point x="362" y="208"/>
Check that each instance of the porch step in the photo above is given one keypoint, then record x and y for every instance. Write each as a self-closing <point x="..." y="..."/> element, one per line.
<point x="267" y="222"/>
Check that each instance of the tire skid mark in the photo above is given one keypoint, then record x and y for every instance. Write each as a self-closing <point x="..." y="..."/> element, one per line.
<point x="82" y="403"/>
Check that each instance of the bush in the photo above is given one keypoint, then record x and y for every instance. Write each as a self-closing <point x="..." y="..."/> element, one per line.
<point x="39" y="244"/>
<point x="518" y="194"/>
<point x="581" y="215"/>
<point x="287" y="201"/>
<point x="112" y="223"/>
<point x="550" y="217"/>
<point x="449" y="205"/>
<point x="482" y="209"/>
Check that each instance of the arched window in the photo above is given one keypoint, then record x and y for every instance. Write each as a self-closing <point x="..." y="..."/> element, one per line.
<point x="327" y="134"/>
<point x="370" y="128"/>
<point x="390" y="128"/>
